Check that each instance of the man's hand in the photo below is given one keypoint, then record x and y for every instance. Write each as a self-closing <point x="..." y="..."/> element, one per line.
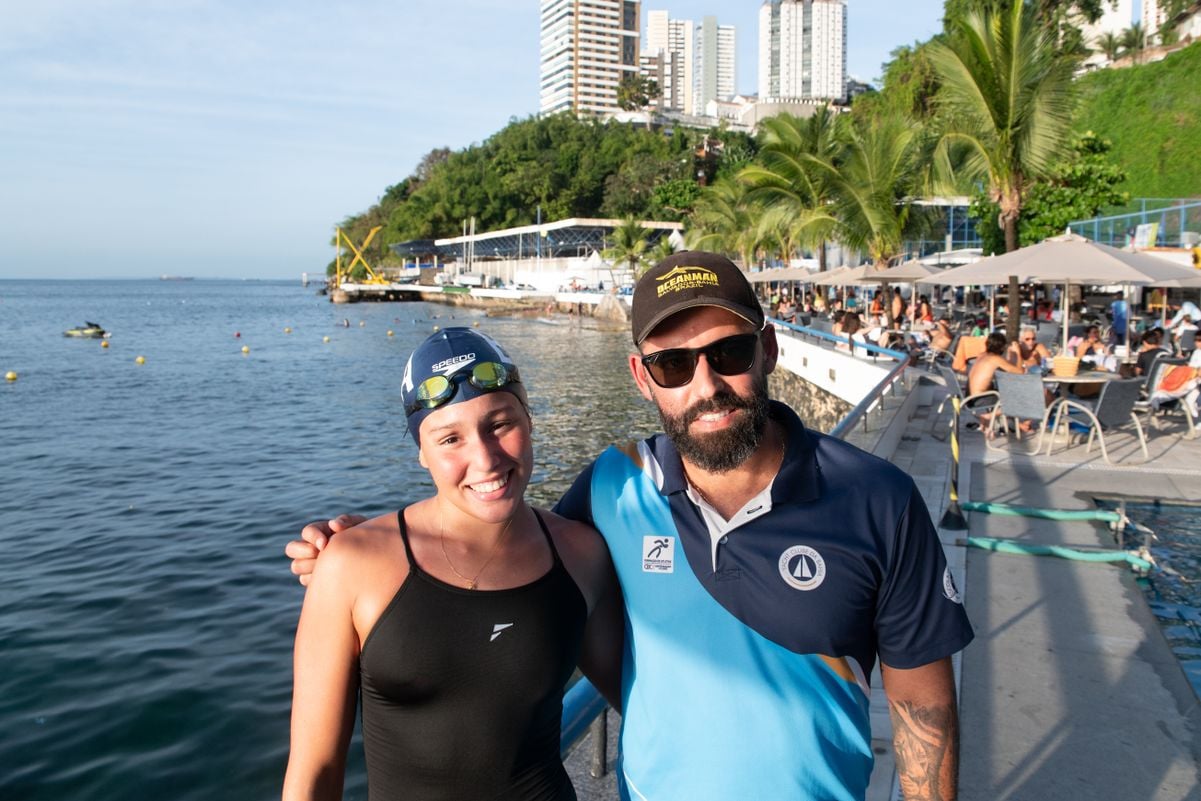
<point x="313" y="538"/>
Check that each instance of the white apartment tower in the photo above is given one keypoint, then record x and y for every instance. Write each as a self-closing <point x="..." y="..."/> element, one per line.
<point x="672" y="41"/>
<point x="587" y="47"/>
<point x="715" y="64"/>
<point x="803" y="50"/>
<point x="1153" y="15"/>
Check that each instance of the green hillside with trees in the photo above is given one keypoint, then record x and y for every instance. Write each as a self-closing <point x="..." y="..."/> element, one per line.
<point x="568" y="167"/>
<point x="1151" y="114"/>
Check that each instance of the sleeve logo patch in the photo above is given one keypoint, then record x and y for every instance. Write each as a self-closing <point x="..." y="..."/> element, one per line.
<point x="948" y="586"/>
<point x="802" y="568"/>
<point x="658" y="554"/>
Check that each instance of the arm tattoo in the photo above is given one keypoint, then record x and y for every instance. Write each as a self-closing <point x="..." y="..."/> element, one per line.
<point x="926" y="743"/>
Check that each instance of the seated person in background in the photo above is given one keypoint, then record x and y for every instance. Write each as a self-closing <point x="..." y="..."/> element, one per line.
<point x="836" y="328"/>
<point x="925" y="312"/>
<point x="819" y="303"/>
<point x="1186" y="324"/>
<point x="1028" y="351"/>
<point x="850" y="329"/>
<point x="1186" y="309"/>
<point x="1181" y="382"/>
<point x="941" y="337"/>
<point x="1091" y="348"/>
<point x="980" y="377"/>
<point x="785" y="311"/>
<point x="1150" y="348"/>
<point x="980" y="327"/>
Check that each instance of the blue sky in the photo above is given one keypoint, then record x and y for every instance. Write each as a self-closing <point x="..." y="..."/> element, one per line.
<point x="225" y="139"/>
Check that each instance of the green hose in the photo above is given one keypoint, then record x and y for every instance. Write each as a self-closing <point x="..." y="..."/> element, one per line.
<point x="1009" y="546"/>
<point x="1107" y="515"/>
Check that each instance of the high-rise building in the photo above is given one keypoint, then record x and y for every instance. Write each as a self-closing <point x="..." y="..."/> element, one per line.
<point x="672" y="40"/>
<point x="803" y="50"/>
<point x="587" y="47"/>
<point x="715" y="63"/>
<point x="1153" y="15"/>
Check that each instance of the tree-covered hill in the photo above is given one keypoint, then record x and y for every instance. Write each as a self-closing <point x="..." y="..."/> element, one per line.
<point x="568" y="167"/>
<point x="1151" y="113"/>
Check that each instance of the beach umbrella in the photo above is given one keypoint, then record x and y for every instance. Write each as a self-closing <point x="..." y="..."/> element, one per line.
<point x="1067" y="259"/>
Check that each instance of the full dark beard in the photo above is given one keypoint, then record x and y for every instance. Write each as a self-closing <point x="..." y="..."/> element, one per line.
<point x="721" y="451"/>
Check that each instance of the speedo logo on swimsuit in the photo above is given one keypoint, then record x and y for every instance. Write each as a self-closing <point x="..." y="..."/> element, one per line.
<point x="682" y="278"/>
<point x="497" y="629"/>
<point x="658" y="554"/>
<point x="446" y="365"/>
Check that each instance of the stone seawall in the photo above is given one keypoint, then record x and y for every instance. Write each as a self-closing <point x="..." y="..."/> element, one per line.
<point x="818" y="409"/>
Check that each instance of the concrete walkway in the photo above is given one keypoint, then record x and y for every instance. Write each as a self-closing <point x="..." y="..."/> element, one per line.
<point x="1070" y="690"/>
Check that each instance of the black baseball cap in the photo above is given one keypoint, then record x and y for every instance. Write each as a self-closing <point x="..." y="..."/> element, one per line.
<point x="688" y="279"/>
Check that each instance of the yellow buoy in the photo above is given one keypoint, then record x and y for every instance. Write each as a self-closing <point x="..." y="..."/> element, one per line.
<point x="11" y="375"/>
<point x="287" y="330"/>
<point x="325" y="339"/>
<point x="390" y="332"/>
<point x="362" y="323"/>
<point x="437" y="328"/>
<point x="104" y="343"/>
<point x="476" y="324"/>
<point x="140" y="360"/>
<point x="246" y="349"/>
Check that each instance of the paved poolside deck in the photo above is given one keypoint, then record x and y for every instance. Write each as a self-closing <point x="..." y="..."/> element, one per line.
<point x="1070" y="690"/>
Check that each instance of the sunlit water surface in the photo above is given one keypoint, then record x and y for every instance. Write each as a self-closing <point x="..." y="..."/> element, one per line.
<point x="146" y="611"/>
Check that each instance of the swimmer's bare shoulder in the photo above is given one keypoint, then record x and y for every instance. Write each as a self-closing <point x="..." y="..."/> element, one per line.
<point x="368" y="562"/>
<point x="583" y="552"/>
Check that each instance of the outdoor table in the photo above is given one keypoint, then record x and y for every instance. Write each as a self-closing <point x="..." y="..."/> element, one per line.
<point x="1086" y="377"/>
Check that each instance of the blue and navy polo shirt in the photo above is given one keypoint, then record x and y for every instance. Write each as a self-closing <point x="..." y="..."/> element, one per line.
<point x="749" y="644"/>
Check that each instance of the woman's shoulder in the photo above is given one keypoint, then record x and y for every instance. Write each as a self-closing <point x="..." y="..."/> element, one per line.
<point x="582" y="549"/>
<point x="372" y="539"/>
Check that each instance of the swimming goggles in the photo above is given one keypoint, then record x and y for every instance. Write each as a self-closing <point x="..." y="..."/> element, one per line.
<point x="439" y="389"/>
<point x="675" y="367"/>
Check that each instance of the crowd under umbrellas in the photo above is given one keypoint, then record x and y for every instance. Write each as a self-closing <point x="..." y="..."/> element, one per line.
<point x="1071" y="260"/>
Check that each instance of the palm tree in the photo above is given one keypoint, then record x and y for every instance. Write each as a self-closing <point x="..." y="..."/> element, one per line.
<point x="629" y="244"/>
<point x="725" y="219"/>
<point x="1134" y="39"/>
<point x="1110" y="45"/>
<point x="785" y="176"/>
<point x="881" y="169"/>
<point x="1010" y="98"/>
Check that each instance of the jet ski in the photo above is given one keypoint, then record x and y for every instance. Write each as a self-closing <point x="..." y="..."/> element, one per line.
<point x="86" y="331"/>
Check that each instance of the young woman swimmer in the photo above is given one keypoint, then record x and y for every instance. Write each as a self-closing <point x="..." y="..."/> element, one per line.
<point x="458" y="619"/>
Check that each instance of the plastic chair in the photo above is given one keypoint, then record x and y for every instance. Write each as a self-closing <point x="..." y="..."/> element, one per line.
<point x="1187" y="343"/>
<point x="1022" y="397"/>
<point x="1157" y="408"/>
<point x="979" y="406"/>
<point x="1115" y="407"/>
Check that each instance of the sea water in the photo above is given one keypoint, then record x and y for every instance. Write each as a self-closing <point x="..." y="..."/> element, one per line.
<point x="1173" y="590"/>
<point x="146" y="608"/>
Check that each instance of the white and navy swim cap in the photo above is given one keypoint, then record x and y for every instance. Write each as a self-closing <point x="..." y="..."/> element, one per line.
<point x="452" y="365"/>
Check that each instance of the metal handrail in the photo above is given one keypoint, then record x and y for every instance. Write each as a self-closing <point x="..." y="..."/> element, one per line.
<point x="582" y="703"/>
<point x="856" y="414"/>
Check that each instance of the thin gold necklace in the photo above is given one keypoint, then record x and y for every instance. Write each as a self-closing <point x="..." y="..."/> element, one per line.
<point x="472" y="583"/>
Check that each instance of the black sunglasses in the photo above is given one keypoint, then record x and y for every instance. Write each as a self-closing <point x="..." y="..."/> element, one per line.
<point x="675" y="367"/>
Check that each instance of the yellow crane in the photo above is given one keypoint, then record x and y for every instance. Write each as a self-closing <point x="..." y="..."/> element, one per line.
<point x="372" y="278"/>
